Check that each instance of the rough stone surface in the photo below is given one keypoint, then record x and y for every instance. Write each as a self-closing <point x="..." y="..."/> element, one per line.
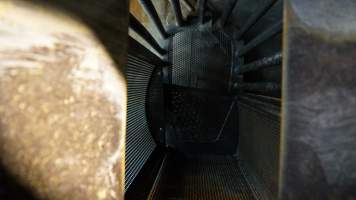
<point x="62" y="106"/>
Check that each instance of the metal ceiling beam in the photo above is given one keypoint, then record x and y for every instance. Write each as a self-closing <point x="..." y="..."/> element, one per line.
<point x="260" y="86"/>
<point x="267" y="34"/>
<point x="150" y="10"/>
<point x="262" y="63"/>
<point x="136" y="26"/>
<point x="201" y="10"/>
<point x="261" y="11"/>
<point x="188" y="5"/>
<point x="177" y="11"/>
<point x="229" y="7"/>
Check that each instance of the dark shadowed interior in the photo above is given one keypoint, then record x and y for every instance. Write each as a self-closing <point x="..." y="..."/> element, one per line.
<point x="216" y="128"/>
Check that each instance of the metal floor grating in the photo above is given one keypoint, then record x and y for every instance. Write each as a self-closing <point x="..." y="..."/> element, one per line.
<point x="200" y="177"/>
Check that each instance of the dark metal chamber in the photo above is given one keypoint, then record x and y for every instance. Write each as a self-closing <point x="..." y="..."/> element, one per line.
<point x="220" y="125"/>
<point x="217" y="129"/>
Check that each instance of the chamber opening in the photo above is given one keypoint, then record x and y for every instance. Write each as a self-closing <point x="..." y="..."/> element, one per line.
<point x="211" y="104"/>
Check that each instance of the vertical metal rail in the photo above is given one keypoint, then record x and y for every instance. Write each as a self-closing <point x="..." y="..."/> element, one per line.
<point x="255" y="17"/>
<point x="319" y="109"/>
<point x="270" y="32"/>
<point x="150" y="10"/>
<point x="201" y="11"/>
<point x="177" y="11"/>
<point x="136" y="26"/>
<point x="229" y="7"/>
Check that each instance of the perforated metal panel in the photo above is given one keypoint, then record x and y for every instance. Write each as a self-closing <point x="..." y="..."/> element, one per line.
<point x="139" y="141"/>
<point x="201" y="58"/>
